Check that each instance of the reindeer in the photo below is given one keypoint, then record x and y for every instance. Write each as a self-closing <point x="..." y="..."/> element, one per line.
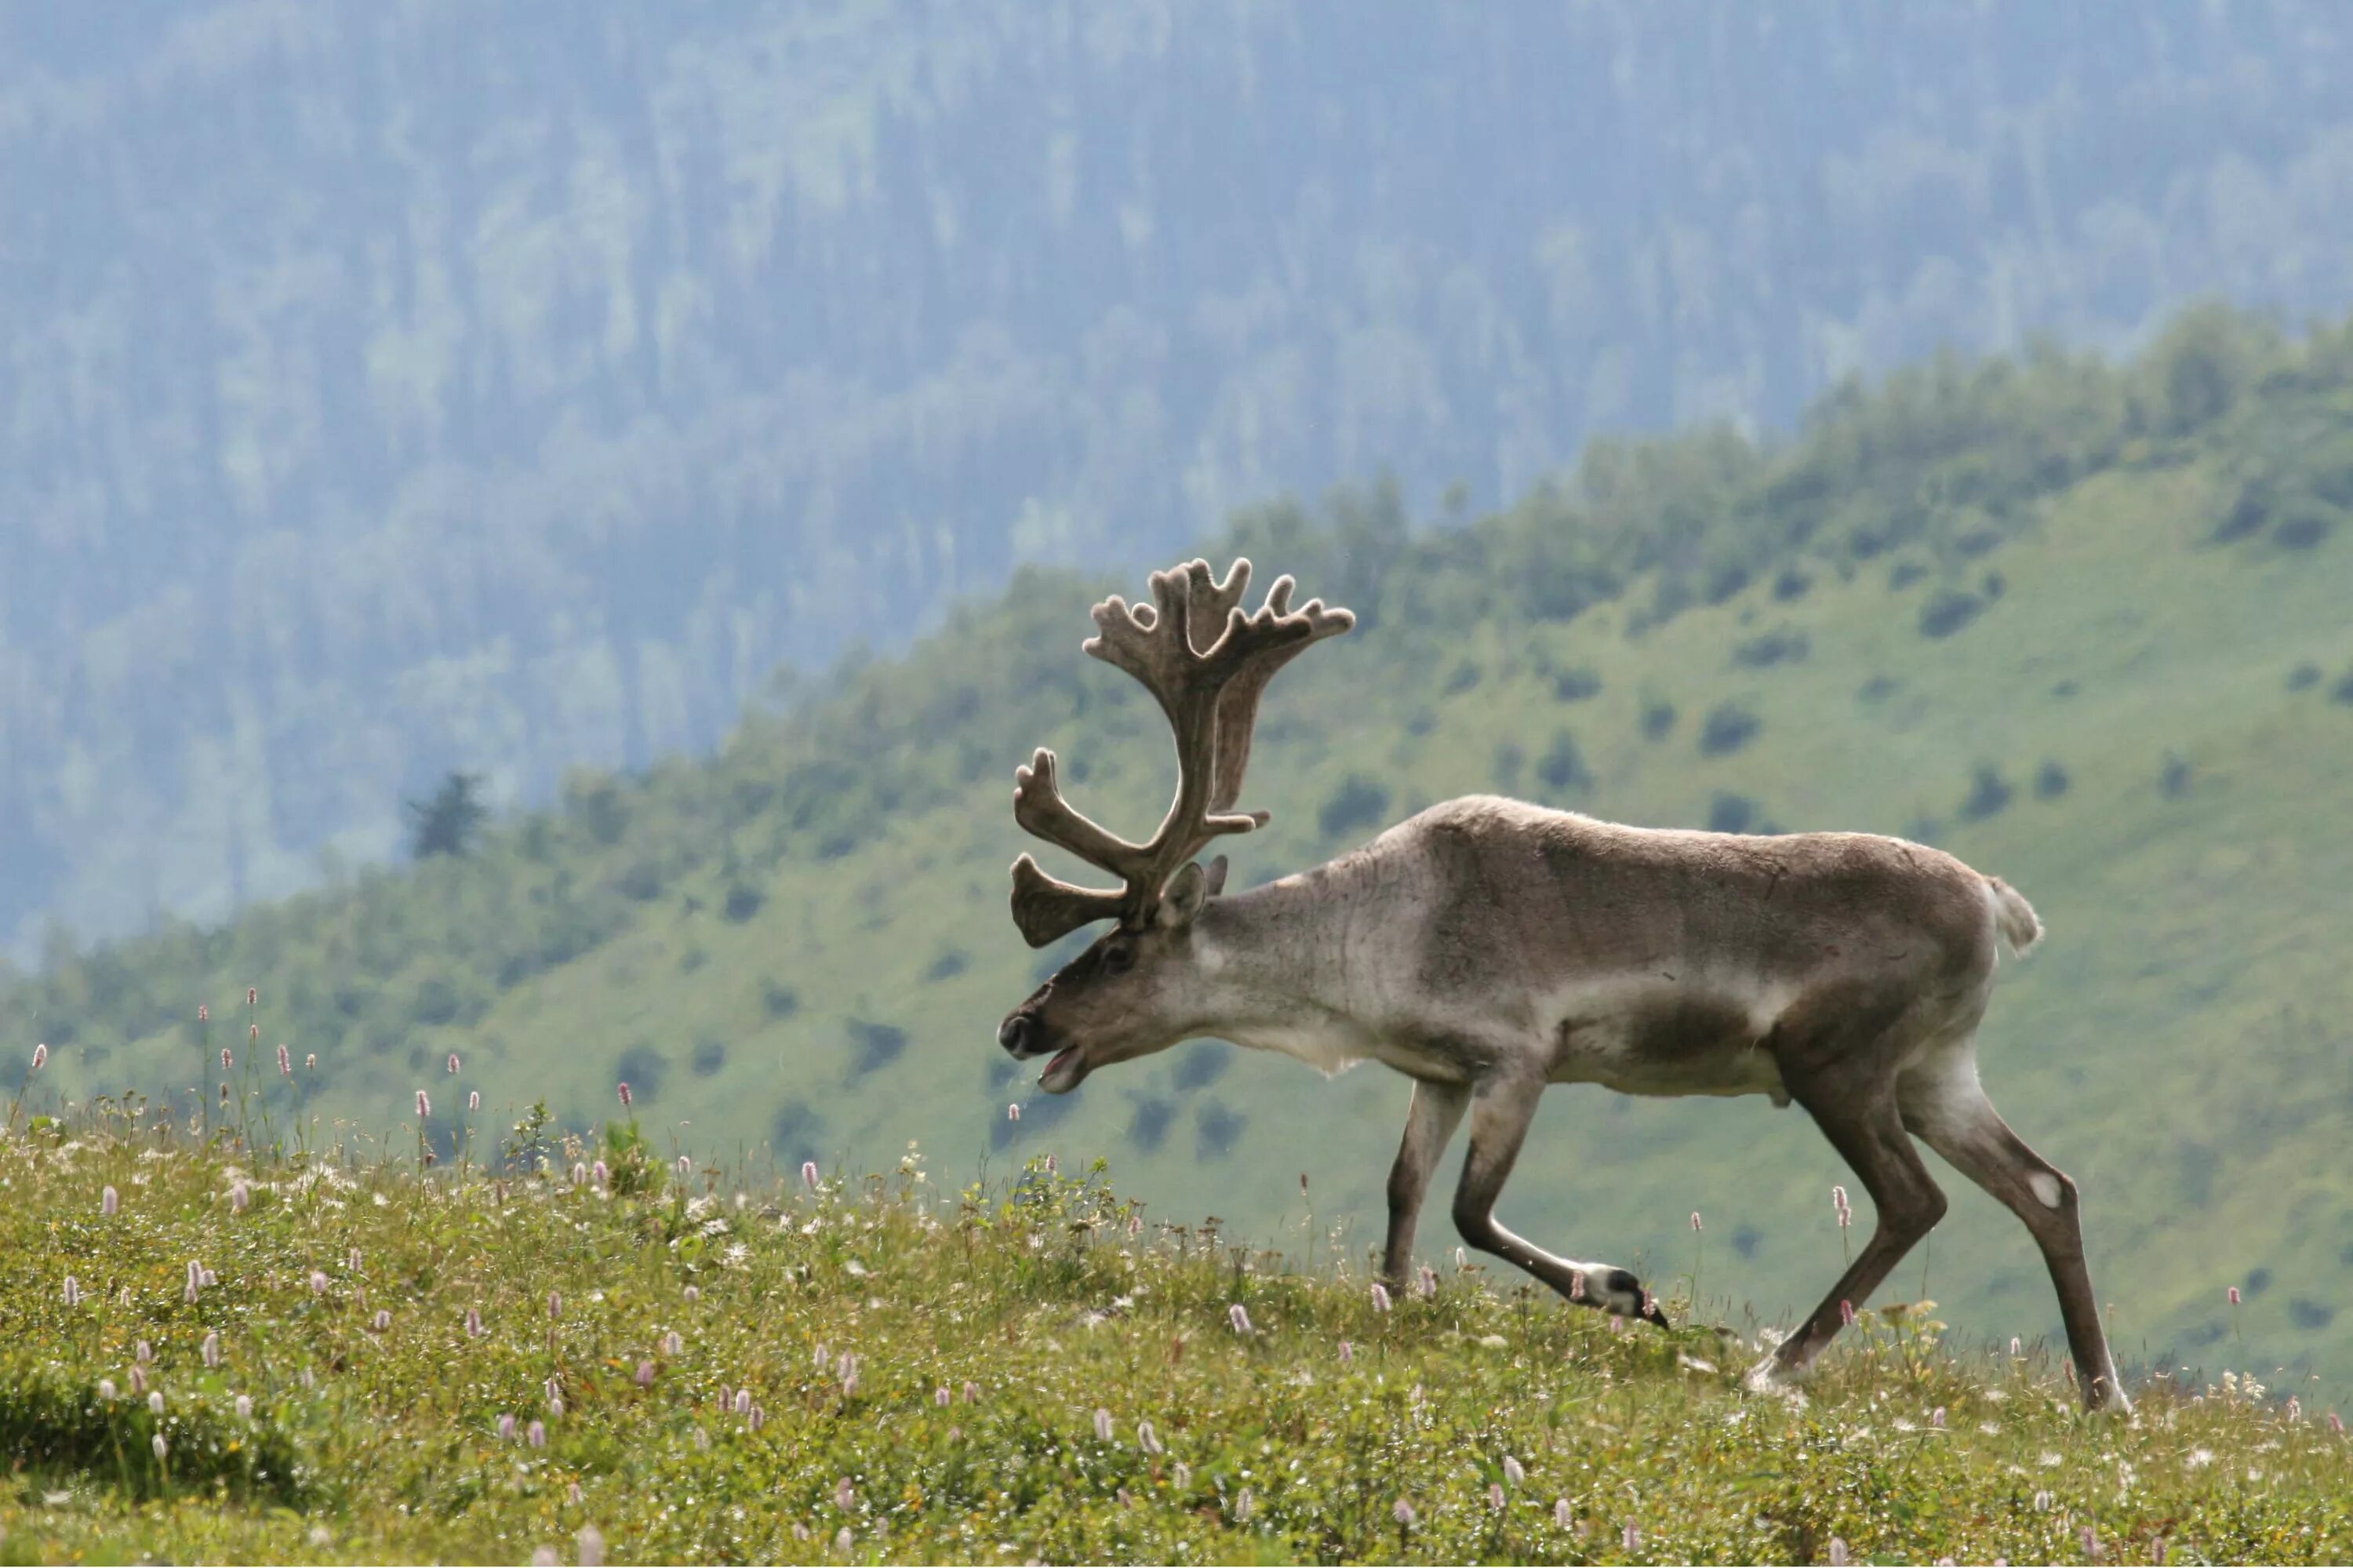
<point x="1487" y="948"/>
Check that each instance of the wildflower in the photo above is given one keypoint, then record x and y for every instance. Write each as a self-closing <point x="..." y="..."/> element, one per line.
<point x="138" y="1377"/>
<point x="240" y="1197"/>
<point x="506" y="1428"/>
<point x="744" y="1400"/>
<point x="1126" y="1501"/>
<point x="1239" y="1317"/>
<point x="841" y="1540"/>
<point x="1103" y="1425"/>
<point x="423" y="1106"/>
<point x="40" y="1057"/>
<point x="2091" y="1543"/>
<point x="644" y="1375"/>
<point x="2335" y="1422"/>
<point x="592" y="1546"/>
<point x="849" y="1376"/>
<point x="1846" y="1313"/>
<point x="1695" y="1224"/>
<point x="2041" y="1502"/>
<point x="2198" y="1458"/>
<point x="1380" y="1297"/>
<point x="1838" y="1199"/>
<point x="537" y="1434"/>
<point x="844" y="1496"/>
<point x="580" y="1173"/>
<point x="572" y="1494"/>
<point x="211" y="1349"/>
<point x="2234" y="1289"/>
<point x="155" y="1401"/>
<point x="757" y="1418"/>
<point x="227" y="1060"/>
<point x="1013" y="1113"/>
<point x="160" y="1446"/>
<point x="554" y="1305"/>
<point x="474" y="1100"/>
<point x="2295" y="1408"/>
<point x="204" y="1012"/>
<point x="453" y="1063"/>
<point x="554" y="1392"/>
<point x="1135" y="1225"/>
<point x="1243" y="1503"/>
<point x="1495" y="1495"/>
<point x="73" y="1291"/>
<point x="600" y="1174"/>
<point x="809" y="1174"/>
<point x="1937" y="1418"/>
<point x="1147" y="1439"/>
<point x="109" y="1203"/>
<point x="106" y="1389"/>
<point x="1053" y="1167"/>
<point x="972" y="1393"/>
<point x="310" y="1063"/>
<point x="142" y="1353"/>
<point x="1347" y="1353"/>
<point x="543" y="1556"/>
<point x="1403" y="1514"/>
<point x="1461" y="1258"/>
<point x="1562" y="1514"/>
<point x="1514" y="1471"/>
<point x="317" y="1282"/>
<point x="1182" y="1474"/>
<point x="941" y="1397"/>
<point x="626" y="1096"/>
<point x="673" y="1343"/>
<point x="2013" y="1347"/>
<point x="383" y="1322"/>
<point x="285" y="1061"/>
<point x="1633" y="1539"/>
<point x="1837" y="1553"/>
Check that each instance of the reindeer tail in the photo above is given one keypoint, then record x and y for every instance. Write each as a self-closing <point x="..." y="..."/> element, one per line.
<point x="2015" y="915"/>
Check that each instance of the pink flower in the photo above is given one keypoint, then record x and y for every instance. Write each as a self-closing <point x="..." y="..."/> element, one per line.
<point x="1013" y="1113"/>
<point x="1937" y="1418"/>
<point x="1380" y="1297"/>
<point x="626" y="1096"/>
<point x="1103" y="1425"/>
<point x="423" y="1106"/>
<point x="507" y="1428"/>
<point x="1347" y="1352"/>
<point x="1563" y="1515"/>
<point x="1495" y="1495"/>
<point x="744" y="1401"/>
<point x="285" y="1061"/>
<point x="1633" y="1539"/>
<point x="318" y="1283"/>
<point x="138" y="1377"/>
<point x="1429" y="1282"/>
<point x="245" y="1407"/>
<point x="1838" y="1199"/>
<point x="756" y="1419"/>
<point x="473" y="1322"/>
<point x="599" y="1174"/>
<point x="1514" y="1471"/>
<point x="474" y="1100"/>
<point x="1846" y="1313"/>
<point x="155" y="1402"/>
<point x="673" y="1343"/>
<point x="942" y="1397"/>
<point x="809" y="1174"/>
<point x="844" y="1497"/>
<point x="383" y="1322"/>
<point x="310" y="1062"/>
<point x="453" y="1063"/>
<point x="252" y="996"/>
<point x="685" y="1166"/>
<point x="40" y="1057"/>
<point x="158" y="1444"/>
<point x="580" y="1173"/>
<point x="109" y="1203"/>
<point x="73" y="1291"/>
<point x="554" y="1305"/>
<point x="1695" y="1224"/>
<point x="2335" y="1422"/>
<point x="2234" y="1296"/>
<point x="1403" y="1514"/>
<point x="204" y="1013"/>
<point x="536" y="1434"/>
<point x="1243" y="1503"/>
<point x="239" y="1198"/>
<point x="253" y="1032"/>
<point x="2015" y="1347"/>
<point x="972" y="1393"/>
<point x="1837" y="1554"/>
<point x="227" y="1060"/>
<point x="107" y="1390"/>
<point x="693" y="1293"/>
<point x="212" y="1351"/>
<point x="1239" y="1317"/>
<point x="644" y="1375"/>
<point x="352" y="1260"/>
<point x="1147" y="1439"/>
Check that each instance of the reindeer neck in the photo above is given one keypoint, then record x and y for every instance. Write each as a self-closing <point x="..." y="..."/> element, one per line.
<point x="1280" y="963"/>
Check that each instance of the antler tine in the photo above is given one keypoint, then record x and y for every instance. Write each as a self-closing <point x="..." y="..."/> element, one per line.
<point x="1237" y="718"/>
<point x="1042" y="812"/>
<point x="1046" y="909"/>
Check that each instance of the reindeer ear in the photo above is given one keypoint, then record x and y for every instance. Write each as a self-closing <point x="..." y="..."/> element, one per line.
<point x="1186" y="893"/>
<point x="1217" y="874"/>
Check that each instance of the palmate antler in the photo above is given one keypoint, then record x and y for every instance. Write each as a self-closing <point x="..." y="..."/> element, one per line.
<point x="1207" y="664"/>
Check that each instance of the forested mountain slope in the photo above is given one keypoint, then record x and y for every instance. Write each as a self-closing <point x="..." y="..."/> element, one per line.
<point x="392" y="386"/>
<point x="2085" y="625"/>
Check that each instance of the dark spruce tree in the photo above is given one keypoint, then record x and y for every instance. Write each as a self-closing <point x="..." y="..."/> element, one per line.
<point x="447" y="823"/>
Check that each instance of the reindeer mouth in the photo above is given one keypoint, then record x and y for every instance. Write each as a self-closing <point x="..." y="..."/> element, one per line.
<point x="1064" y="1073"/>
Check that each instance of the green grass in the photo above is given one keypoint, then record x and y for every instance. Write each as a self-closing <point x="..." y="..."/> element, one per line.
<point x="989" y="1329"/>
<point x="805" y="938"/>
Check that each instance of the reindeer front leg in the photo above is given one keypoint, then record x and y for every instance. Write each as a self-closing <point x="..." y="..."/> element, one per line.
<point x="1437" y="1110"/>
<point x="1502" y="1106"/>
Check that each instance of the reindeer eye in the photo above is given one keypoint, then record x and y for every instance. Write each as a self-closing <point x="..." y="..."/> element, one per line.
<point x="1118" y="958"/>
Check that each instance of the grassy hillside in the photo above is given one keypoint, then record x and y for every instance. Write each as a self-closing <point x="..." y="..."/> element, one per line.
<point x="380" y="1368"/>
<point x="2085" y="625"/>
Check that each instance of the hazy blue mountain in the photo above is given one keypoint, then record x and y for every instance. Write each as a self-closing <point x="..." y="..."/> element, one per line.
<point x="400" y="385"/>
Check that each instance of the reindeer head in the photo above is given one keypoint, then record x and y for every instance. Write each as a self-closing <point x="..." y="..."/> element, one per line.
<point x="1207" y="664"/>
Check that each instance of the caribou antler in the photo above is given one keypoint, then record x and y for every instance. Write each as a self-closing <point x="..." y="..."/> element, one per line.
<point x="1207" y="664"/>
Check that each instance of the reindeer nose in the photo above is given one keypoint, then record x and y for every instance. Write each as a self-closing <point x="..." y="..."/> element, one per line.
<point x="1014" y="1033"/>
